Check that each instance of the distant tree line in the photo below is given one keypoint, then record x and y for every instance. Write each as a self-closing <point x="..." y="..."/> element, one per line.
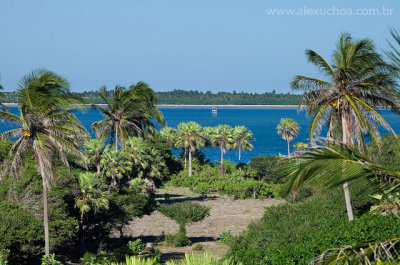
<point x="196" y="98"/>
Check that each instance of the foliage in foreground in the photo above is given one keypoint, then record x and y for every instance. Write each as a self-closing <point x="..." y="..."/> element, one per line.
<point x="206" y="259"/>
<point x="296" y="233"/>
<point x="386" y="252"/>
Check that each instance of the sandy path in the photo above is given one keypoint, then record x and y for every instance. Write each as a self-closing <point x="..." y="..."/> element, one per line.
<point x="226" y="213"/>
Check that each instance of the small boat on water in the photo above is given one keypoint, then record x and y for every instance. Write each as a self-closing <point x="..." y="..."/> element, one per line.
<point x="214" y="111"/>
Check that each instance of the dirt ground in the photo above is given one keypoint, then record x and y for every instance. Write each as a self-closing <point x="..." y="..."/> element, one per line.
<point x="226" y="213"/>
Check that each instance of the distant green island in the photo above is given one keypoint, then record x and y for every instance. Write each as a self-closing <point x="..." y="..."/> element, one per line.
<point x="193" y="97"/>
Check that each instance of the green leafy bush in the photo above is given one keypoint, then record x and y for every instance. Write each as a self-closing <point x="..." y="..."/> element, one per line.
<point x="183" y="213"/>
<point x="296" y="233"/>
<point x="236" y="182"/>
<point x="136" y="247"/>
<point x="4" y="253"/>
<point x="101" y="258"/>
<point x="225" y="237"/>
<point x="50" y="260"/>
<point x="20" y="232"/>
<point x="198" y="247"/>
<point x="266" y="167"/>
<point x="177" y="240"/>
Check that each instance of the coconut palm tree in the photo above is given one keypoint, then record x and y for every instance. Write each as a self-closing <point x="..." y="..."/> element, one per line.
<point x="394" y="54"/>
<point x="117" y="117"/>
<point x="208" y="132"/>
<point x="242" y="137"/>
<point x="143" y="103"/>
<point x="224" y="139"/>
<point x="94" y="150"/>
<point x="129" y="112"/>
<point x="46" y="125"/>
<point x="191" y="138"/>
<point x="289" y="129"/>
<point x="334" y="163"/>
<point x="359" y="82"/>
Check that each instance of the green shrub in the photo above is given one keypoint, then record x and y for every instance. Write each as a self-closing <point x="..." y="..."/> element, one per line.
<point x="4" y="253"/>
<point x="155" y="254"/>
<point x="136" y="247"/>
<point x="177" y="240"/>
<point x="266" y="167"/>
<point x="20" y="232"/>
<point x="101" y="258"/>
<point x="50" y="260"/>
<point x="183" y="213"/>
<point x="296" y="233"/>
<point x="225" y="237"/>
<point x="198" y="247"/>
<point x="236" y="182"/>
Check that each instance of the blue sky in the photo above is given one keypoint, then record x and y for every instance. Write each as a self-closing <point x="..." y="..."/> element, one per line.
<point x="220" y="45"/>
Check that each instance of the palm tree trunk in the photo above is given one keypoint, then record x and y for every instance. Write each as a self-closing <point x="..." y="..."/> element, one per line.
<point x="46" y="221"/>
<point x="116" y="138"/>
<point x="347" y="141"/>
<point x="190" y="161"/>
<point x="185" y="156"/>
<point x="205" y="154"/>
<point x="222" y="160"/>
<point x="240" y="151"/>
<point x="288" y="148"/>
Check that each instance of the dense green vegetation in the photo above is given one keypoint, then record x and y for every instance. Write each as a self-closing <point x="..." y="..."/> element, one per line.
<point x="82" y="192"/>
<point x="238" y="181"/>
<point x="191" y="97"/>
<point x="296" y="233"/>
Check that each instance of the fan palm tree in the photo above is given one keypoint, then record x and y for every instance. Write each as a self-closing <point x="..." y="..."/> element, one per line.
<point x="92" y="197"/>
<point x="242" y="137"/>
<point x="300" y="146"/>
<point x="289" y="129"/>
<point x="47" y="126"/>
<point x="224" y="139"/>
<point x="136" y="149"/>
<point x="208" y="133"/>
<point x="94" y="149"/>
<point x="191" y="138"/>
<point x="169" y="135"/>
<point x="359" y="82"/>
<point x="114" y="165"/>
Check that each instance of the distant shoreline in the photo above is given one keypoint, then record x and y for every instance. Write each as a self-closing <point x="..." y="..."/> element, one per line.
<point x="228" y="106"/>
<point x="177" y="106"/>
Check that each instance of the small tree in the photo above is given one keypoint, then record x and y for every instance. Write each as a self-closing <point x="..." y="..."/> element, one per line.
<point x="184" y="213"/>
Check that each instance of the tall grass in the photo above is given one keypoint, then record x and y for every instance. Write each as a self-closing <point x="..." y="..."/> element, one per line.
<point x="133" y="260"/>
<point x="205" y="259"/>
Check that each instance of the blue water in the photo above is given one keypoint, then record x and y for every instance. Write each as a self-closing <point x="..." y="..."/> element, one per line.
<point x="262" y="122"/>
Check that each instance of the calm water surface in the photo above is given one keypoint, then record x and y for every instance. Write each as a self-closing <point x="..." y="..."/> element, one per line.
<point x="262" y="122"/>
